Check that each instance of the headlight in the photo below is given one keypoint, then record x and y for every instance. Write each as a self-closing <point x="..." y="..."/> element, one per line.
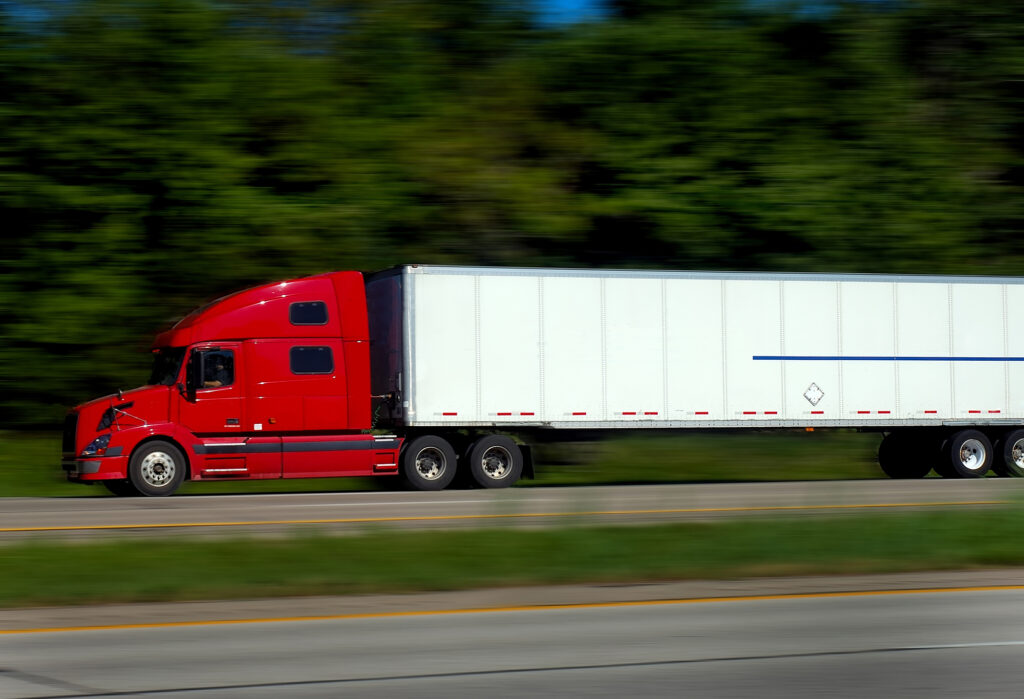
<point x="98" y="446"/>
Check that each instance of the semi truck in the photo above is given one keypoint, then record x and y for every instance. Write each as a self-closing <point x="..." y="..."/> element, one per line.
<point x="436" y="374"/>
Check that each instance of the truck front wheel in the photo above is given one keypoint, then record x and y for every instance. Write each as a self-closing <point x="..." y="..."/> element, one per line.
<point x="495" y="461"/>
<point x="157" y="468"/>
<point x="428" y="463"/>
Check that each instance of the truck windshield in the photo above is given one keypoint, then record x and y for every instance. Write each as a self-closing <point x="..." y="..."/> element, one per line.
<point x="166" y="363"/>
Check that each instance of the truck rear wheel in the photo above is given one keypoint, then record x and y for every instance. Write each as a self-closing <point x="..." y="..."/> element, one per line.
<point x="495" y="461"/>
<point x="428" y="463"/>
<point x="906" y="455"/>
<point x="157" y="469"/>
<point x="1009" y="455"/>
<point x="968" y="454"/>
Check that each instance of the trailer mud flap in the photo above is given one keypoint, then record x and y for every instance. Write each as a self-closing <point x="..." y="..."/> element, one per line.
<point x="527" y="451"/>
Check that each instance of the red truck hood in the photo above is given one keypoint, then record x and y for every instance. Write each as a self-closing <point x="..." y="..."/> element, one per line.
<point x="137" y="407"/>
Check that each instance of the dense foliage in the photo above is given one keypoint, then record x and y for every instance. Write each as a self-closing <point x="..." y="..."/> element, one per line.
<point x="157" y="153"/>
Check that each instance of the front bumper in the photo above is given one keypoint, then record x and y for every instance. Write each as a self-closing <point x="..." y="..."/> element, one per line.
<point x="96" y="468"/>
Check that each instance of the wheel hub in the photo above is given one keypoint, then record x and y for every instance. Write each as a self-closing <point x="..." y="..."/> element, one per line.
<point x="496" y="462"/>
<point x="430" y="463"/>
<point x="972" y="454"/>
<point x="1017" y="453"/>
<point x="158" y="469"/>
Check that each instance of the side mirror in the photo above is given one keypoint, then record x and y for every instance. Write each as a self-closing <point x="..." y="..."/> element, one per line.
<point x="188" y="393"/>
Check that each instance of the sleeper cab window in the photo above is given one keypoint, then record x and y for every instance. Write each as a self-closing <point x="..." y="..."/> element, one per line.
<point x="311" y="360"/>
<point x="308" y="313"/>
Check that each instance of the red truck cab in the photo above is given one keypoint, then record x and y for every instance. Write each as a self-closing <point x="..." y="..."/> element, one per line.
<point x="270" y="382"/>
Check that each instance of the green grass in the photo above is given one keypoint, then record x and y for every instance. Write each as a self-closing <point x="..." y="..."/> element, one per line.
<point x="30" y="463"/>
<point x="40" y="572"/>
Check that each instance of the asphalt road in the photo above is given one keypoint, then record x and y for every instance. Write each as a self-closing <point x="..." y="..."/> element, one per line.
<point x="354" y="511"/>
<point x="909" y="644"/>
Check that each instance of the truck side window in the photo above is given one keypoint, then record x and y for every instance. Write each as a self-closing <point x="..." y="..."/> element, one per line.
<point x="308" y="313"/>
<point x="311" y="360"/>
<point x="218" y="368"/>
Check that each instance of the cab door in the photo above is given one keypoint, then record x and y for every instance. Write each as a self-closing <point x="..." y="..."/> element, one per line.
<point x="212" y="404"/>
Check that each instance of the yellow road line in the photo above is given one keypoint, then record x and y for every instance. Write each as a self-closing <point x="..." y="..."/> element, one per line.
<point x="522" y="515"/>
<point x="517" y="608"/>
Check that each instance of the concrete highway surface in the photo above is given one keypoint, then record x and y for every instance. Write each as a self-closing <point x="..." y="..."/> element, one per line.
<point x="354" y="511"/>
<point x="924" y="643"/>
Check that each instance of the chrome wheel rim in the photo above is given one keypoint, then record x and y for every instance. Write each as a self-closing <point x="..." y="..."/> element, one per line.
<point x="972" y="454"/>
<point x="1017" y="453"/>
<point x="430" y="463"/>
<point x="496" y="463"/>
<point x="158" y="469"/>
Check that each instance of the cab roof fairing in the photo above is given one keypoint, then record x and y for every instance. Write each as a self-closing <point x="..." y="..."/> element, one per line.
<point x="243" y="315"/>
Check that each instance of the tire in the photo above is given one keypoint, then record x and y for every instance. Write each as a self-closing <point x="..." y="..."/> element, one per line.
<point x="968" y="454"/>
<point x="428" y="463"/>
<point x="1009" y="455"/>
<point x="906" y="454"/>
<point x="123" y="489"/>
<point x="495" y="462"/>
<point x="942" y="465"/>
<point x="157" y="469"/>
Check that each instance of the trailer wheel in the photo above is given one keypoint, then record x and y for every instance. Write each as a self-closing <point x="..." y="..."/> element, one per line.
<point x="968" y="454"/>
<point x="428" y="463"/>
<point x="495" y="461"/>
<point x="1009" y="454"/>
<point x="905" y="455"/>
<point x="123" y="489"/>
<point x="157" y="469"/>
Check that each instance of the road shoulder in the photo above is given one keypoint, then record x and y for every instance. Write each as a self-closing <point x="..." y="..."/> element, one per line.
<point x="294" y="608"/>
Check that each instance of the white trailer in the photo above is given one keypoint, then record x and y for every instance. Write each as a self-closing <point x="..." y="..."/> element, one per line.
<point x="934" y="361"/>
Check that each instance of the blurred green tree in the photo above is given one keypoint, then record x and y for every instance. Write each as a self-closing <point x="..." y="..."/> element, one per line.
<point x="158" y="153"/>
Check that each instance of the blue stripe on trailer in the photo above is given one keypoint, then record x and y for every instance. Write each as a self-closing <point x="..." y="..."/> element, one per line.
<point x="872" y="358"/>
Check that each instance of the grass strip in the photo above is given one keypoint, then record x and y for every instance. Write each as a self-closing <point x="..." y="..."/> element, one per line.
<point x="44" y="573"/>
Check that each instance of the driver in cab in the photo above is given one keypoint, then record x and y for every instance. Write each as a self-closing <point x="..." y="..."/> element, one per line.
<point x="216" y="371"/>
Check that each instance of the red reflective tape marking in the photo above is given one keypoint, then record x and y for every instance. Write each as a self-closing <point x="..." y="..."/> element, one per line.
<point x="750" y="412"/>
<point x="526" y="413"/>
<point x="449" y="414"/>
<point x="502" y="414"/>
<point x="863" y="412"/>
<point x="817" y="412"/>
<point x="974" y="412"/>
<point x="629" y="413"/>
<point x="884" y="412"/>
<point x="579" y="413"/>
<point x="994" y="412"/>
<point x="701" y="412"/>
<point x="930" y="412"/>
<point x="651" y="413"/>
<point x="771" y="412"/>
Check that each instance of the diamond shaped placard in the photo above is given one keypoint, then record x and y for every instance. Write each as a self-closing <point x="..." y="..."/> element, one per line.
<point x="813" y="394"/>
